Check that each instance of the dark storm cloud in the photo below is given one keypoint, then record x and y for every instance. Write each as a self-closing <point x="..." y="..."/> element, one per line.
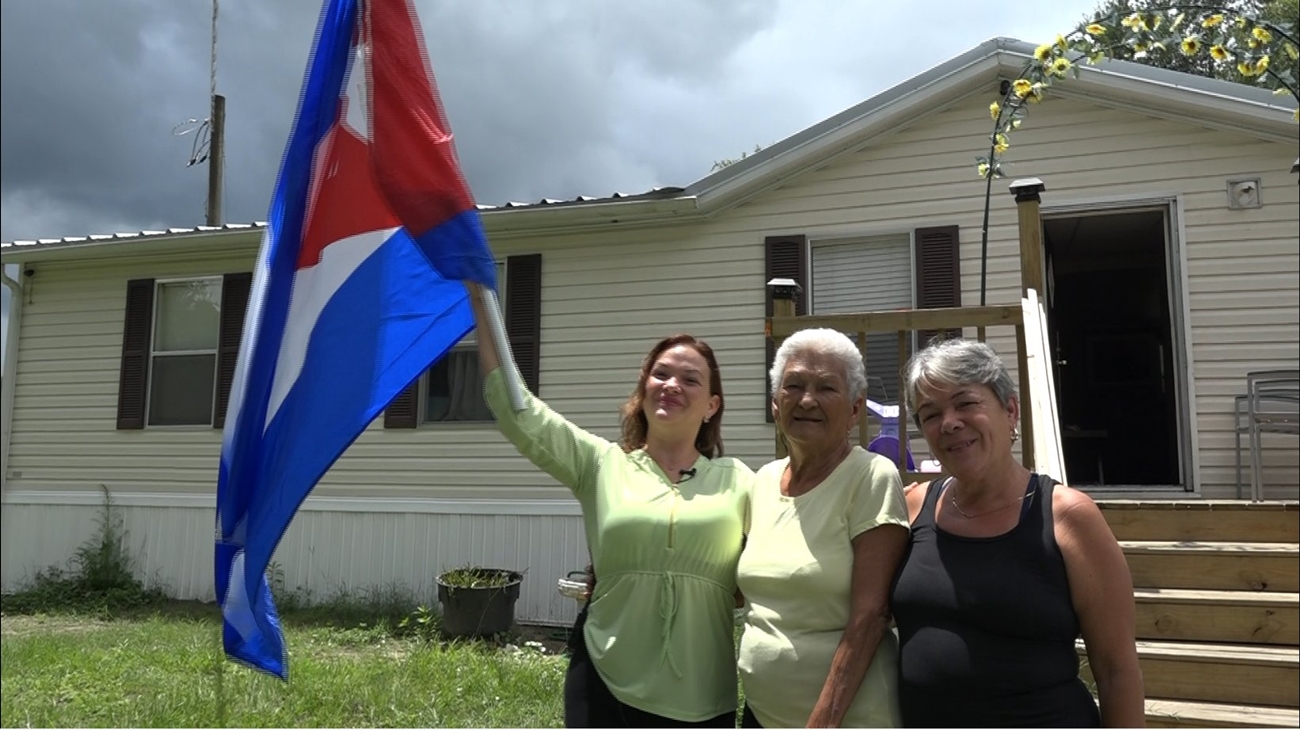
<point x="548" y="99"/>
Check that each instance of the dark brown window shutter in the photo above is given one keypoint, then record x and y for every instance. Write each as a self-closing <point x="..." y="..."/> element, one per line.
<point x="523" y="315"/>
<point x="938" y="273"/>
<point x="234" y="303"/>
<point x="137" y="333"/>
<point x="787" y="258"/>
<point x="403" y="411"/>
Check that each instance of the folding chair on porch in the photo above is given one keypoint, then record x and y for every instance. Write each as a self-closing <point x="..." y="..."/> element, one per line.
<point x="1271" y="405"/>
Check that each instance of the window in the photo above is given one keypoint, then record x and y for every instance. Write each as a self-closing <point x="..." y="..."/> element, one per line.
<point x="452" y="390"/>
<point x="866" y="275"/>
<point x="863" y="274"/>
<point x="453" y="387"/>
<point x="183" y="361"/>
<point x="180" y="340"/>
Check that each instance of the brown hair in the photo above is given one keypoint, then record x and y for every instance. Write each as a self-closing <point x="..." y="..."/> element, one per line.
<point x="635" y="424"/>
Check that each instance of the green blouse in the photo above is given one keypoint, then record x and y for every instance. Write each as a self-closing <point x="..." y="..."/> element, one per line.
<point x="660" y="623"/>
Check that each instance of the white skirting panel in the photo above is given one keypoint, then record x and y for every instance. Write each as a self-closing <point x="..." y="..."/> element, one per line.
<point x="331" y="546"/>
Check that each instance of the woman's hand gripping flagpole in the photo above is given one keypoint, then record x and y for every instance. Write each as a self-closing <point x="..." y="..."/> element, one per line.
<point x="494" y="350"/>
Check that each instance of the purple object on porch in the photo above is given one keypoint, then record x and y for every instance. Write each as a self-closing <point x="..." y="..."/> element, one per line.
<point x="888" y="447"/>
<point x="886" y="442"/>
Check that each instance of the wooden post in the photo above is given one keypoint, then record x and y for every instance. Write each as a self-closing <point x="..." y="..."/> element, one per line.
<point x="1026" y="403"/>
<point x="903" y="438"/>
<point x="784" y="292"/>
<point x="216" y="159"/>
<point x="1031" y="233"/>
<point x="1027" y="194"/>
<point x="863" y="431"/>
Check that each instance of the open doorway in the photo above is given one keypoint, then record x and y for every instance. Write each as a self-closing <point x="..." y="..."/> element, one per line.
<point x="1108" y="303"/>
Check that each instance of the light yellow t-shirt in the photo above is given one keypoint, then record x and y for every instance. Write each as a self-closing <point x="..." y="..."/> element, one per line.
<point x="661" y="624"/>
<point x="796" y="573"/>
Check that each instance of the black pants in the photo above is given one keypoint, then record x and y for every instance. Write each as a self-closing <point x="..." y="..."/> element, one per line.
<point x="748" y="720"/>
<point x="589" y="703"/>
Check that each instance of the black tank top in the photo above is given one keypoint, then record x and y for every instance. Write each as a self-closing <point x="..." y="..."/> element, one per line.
<point x="986" y="626"/>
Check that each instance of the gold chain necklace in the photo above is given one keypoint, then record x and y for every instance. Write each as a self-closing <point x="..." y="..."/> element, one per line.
<point x="952" y="498"/>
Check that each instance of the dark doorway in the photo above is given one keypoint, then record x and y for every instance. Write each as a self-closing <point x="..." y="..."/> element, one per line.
<point x="1110" y="327"/>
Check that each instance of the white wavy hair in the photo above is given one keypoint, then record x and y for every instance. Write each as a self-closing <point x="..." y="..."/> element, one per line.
<point x="957" y="362"/>
<point x="825" y="342"/>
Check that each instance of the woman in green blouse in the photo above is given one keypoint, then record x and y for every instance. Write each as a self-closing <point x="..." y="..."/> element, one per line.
<point x="665" y="514"/>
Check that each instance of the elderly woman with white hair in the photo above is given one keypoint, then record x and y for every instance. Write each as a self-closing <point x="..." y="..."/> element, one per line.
<point x="828" y="529"/>
<point x="1005" y="570"/>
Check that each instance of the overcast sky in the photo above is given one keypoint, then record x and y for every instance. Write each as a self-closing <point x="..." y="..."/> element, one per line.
<point x="547" y="99"/>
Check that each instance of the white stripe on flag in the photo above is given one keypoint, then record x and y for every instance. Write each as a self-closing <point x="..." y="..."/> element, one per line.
<point x="313" y="288"/>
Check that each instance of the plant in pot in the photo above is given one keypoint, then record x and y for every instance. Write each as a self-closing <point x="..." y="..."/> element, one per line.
<point x="478" y="601"/>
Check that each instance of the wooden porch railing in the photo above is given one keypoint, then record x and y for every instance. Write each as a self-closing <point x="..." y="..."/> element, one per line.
<point x="1027" y="192"/>
<point x="784" y="323"/>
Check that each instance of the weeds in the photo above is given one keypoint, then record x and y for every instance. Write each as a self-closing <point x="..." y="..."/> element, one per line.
<point x="469" y="577"/>
<point x="424" y="624"/>
<point x="99" y="577"/>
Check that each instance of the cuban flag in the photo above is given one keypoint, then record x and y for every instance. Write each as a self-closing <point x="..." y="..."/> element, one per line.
<point x="357" y="291"/>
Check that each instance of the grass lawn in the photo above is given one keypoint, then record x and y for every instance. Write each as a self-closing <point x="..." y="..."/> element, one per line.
<point x="160" y="669"/>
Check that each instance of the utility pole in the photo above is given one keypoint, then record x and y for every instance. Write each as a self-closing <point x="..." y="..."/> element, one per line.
<point x="216" y="159"/>
<point x="217" y="132"/>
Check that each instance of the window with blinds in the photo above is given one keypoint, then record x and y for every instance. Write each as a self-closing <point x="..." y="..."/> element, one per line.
<point x="866" y="275"/>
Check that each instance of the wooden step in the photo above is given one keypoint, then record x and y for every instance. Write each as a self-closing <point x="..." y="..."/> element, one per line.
<point x="1249" y="675"/>
<point x="1228" y="566"/>
<point x="1246" y="617"/>
<point x="1203" y="520"/>
<point x="1175" y="713"/>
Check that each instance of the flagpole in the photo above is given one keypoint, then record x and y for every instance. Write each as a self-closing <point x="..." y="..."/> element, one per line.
<point x="219" y="691"/>
<point x="496" y="325"/>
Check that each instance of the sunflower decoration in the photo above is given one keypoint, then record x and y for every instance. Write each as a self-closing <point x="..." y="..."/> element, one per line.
<point x="1262" y="52"/>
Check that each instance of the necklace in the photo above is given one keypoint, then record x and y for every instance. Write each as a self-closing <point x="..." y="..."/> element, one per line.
<point x="952" y="498"/>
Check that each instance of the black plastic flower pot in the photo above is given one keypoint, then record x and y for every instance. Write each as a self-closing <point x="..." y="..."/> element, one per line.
<point x="478" y="601"/>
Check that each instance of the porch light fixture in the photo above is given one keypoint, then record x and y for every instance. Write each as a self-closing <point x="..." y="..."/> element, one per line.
<point x="784" y="288"/>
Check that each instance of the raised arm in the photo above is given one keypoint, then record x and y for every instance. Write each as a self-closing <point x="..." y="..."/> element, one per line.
<point x="488" y="360"/>
<point x="551" y="442"/>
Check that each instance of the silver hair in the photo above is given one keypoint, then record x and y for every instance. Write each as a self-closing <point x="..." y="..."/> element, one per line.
<point x="958" y="362"/>
<point x="826" y="342"/>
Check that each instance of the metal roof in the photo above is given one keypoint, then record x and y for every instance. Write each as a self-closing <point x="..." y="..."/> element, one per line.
<point x="652" y="194"/>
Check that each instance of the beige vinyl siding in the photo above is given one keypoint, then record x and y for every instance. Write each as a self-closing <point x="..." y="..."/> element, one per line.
<point x="1242" y="266"/>
<point x="609" y="294"/>
<point x="65" y="395"/>
<point x="64" y="425"/>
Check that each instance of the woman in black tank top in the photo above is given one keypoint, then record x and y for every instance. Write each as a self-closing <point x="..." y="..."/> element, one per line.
<point x="1005" y="570"/>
